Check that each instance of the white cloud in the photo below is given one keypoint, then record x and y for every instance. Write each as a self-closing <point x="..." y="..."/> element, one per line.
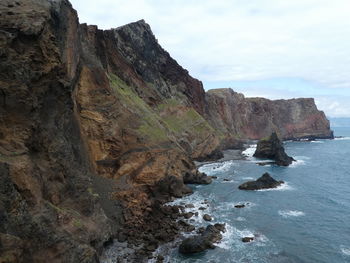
<point x="230" y="40"/>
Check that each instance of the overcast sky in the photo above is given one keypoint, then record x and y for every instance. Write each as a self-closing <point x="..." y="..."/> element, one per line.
<point x="270" y="48"/>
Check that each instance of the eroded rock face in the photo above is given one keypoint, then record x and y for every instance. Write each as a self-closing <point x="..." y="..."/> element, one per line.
<point x="264" y="182"/>
<point x="272" y="148"/>
<point x="256" y="118"/>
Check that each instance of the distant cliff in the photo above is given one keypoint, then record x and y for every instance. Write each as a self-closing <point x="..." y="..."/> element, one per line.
<point x="255" y="118"/>
<point x="97" y="124"/>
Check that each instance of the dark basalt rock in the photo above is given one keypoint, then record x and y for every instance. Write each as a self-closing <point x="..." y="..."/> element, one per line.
<point x="240" y="206"/>
<point x="247" y="239"/>
<point x="264" y="182"/>
<point x="197" y="178"/>
<point x="203" y="241"/>
<point x="207" y="217"/>
<point x="272" y="148"/>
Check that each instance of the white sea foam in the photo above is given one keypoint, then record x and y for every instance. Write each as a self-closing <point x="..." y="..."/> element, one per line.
<point x="345" y="250"/>
<point x="250" y="150"/>
<point x="317" y="141"/>
<point x="342" y="139"/>
<point x="240" y="219"/>
<point x="290" y="213"/>
<point x="232" y="238"/>
<point x="247" y="178"/>
<point x="297" y="163"/>
<point x="216" y="167"/>
<point x="282" y="187"/>
<point x="227" y="237"/>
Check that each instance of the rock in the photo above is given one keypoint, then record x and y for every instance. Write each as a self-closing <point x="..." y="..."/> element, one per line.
<point x="247" y="239"/>
<point x="214" y="177"/>
<point x="188" y="215"/>
<point x="207" y="217"/>
<point x="196" y="178"/>
<point x="160" y="259"/>
<point x="240" y="206"/>
<point x="272" y="148"/>
<point x="227" y="180"/>
<point x="264" y="182"/>
<point x="203" y="241"/>
<point x="258" y="117"/>
<point x="202" y="208"/>
<point x="213" y="156"/>
<point x="171" y="186"/>
<point x="189" y="205"/>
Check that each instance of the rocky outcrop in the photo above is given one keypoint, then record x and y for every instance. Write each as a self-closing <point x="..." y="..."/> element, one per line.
<point x="203" y="241"/>
<point x="272" y="148"/>
<point x="255" y="118"/>
<point x="196" y="178"/>
<point x="264" y="182"/>
<point x="99" y="128"/>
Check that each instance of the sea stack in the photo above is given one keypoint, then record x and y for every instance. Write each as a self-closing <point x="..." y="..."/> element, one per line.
<point x="264" y="182"/>
<point x="272" y="148"/>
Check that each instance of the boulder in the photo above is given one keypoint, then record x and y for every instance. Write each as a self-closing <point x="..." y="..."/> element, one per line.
<point x="264" y="182"/>
<point x="240" y="206"/>
<point x="207" y="217"/>
<point x="196" y="178"/>
<point x="247" y="239"/>
<point x="272" y="148"/>
<point x="203" y="241"/>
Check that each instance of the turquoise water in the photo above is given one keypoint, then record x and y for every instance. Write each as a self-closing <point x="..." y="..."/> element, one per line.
<point x="306" y="220"/>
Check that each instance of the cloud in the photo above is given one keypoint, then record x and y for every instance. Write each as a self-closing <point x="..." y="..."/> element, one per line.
<point x="238" y="40"/>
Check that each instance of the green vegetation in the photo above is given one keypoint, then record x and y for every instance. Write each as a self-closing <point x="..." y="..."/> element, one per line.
<point x="169" y="118"/>
<point x="91" y="191"/>
<point x="150" y="125"/>
<point x="77" y="223"/>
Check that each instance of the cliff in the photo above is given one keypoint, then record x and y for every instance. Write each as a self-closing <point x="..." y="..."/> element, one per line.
<point x="98" y="129"/>
<point x="256" y="118"/>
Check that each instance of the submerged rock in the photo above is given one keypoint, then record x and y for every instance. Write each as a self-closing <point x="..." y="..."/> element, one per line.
<point x="264" y="182"/>
<point x="247" y="239"/>
<point x="272" y="148"/>
<point x="203" y="241"/>
<point x="240" y="206"/>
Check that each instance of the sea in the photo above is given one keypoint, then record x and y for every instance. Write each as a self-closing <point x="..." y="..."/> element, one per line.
<point x="305" y="220"/>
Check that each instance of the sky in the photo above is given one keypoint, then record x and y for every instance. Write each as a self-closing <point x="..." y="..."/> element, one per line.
<point x="266" y="48"/>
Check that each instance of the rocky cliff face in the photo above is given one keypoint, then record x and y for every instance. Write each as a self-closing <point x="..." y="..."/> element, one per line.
<point x="255" y="118"/>
<point x="97" y="125"/>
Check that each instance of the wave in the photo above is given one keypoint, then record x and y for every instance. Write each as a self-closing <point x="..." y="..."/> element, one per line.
<point x="282" y="187"/>
<point x="345" y="250"/>
<point x="290" y="213"/>
<point x="297" y="163"/>
<point x="250" y="150"/>
<point x="217" y="167"/>
<point x="342" y="139"/>
<point x="232" y="238"/>
<point x="317" y="141"/>
<point x="247" y="178"/>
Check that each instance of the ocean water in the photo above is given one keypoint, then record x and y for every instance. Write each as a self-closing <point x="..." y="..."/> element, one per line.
<point x="305" y="220"/>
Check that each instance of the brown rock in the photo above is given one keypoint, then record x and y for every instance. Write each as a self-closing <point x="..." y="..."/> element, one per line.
<point x="207" y="217"/>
